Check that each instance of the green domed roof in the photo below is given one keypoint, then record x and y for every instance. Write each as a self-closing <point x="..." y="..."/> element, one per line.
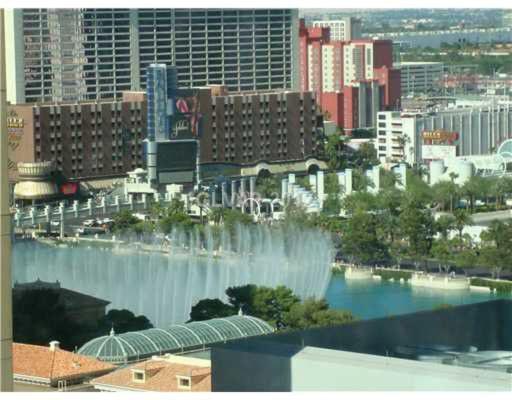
<point x="133" y="346"/>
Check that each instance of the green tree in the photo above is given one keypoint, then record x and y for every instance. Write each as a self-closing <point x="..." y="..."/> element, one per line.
<point x="365" y="156"/>
<point x="272" y="304"/>
<point x="217" y="215"/>
<point x="334" y="146"/>
<point x="418" y="190"/>
<point x="268" y="187"/>
<point x="442" y="251"/>
<point x="360" y="182"/>
<point x="278" y="306"/>
<point x="466" y="258"/>
<point x="359" y="201"/>
<point x="388" y="179"/>
<point x="315" y="313"/>
<point x="417" y="227"/>
<point x="231" y="218"/>
<point x="496" y="247"/>
<point x="475" y="187"/>
<point x="123" y="321"/>
<point x="444" y="193"/>
<point x="156" y="210"/>
<point x="201" y="201"/>
<point x="500" y="187"/>
<point x="144" y="227"/>
<point x="332" y="204"/>
<point x="262" y="302"/>
<point x="461" y="219"/>
<point x="388" y="202"/>
<point x="239" y="296"/>
<point x="444" y="224"/>
<point x="211" y="308"/>
<point x="175" y="216"/>
<point x="295" y="214"/>
<point x="360" y="239"/>
<point x="124" y="221"/>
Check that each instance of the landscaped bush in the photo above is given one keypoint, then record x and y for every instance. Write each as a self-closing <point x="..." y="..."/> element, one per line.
<point x="500" y="287"/>
<point x="387" y="274"/>
<point x="338" y="270"/>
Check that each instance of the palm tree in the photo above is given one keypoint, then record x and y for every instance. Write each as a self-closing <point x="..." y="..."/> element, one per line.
<point x="201" y="201"/>
<point x="268" y="187"/>
<point x="472" y="189"/>
<point x="444" y="225"/>
<point x="454" y="188"/>
<point x="462" y="219"/>
<point x="217" y="215"/>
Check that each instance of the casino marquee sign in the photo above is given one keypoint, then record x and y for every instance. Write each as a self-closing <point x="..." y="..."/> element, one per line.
<point x="440" y="135"/>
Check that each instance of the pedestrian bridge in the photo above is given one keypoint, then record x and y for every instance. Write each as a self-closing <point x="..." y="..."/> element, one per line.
<point x="103" y="207"/>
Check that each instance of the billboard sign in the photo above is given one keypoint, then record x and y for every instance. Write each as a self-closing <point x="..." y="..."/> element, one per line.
<point x="187" y="116"/>
<point x="176" y="161"/>
<point x="438" y="152"/>
<point x="440" y="135"/>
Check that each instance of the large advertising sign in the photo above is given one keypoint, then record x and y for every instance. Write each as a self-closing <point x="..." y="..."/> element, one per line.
<point x="187" y="118"/>
<point x="176" y="161"/>
<point x="15" y="125"/>
<point x="438" y="152"/>
<point x="440" y="135"/>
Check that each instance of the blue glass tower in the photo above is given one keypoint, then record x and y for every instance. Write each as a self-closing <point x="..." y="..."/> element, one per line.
<point x="161" y="88"/>
<point x="161" y="91"/>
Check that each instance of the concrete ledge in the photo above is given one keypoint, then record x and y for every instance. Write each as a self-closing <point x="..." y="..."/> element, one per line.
<point x="484" y="289"/>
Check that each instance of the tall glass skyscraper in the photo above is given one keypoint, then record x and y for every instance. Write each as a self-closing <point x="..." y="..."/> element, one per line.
<point x="161" y="87"/>
<point x="80" y="54"/>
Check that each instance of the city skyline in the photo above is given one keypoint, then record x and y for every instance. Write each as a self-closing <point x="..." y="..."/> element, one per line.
<point x="282" y="199"/>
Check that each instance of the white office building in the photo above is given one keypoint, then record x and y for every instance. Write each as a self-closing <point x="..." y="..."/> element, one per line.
<point x="452" y="132"/>
<point x="84" y="54"/>
<point x="396" y="138"/>
<point x="344" y="29"/>
<point x="419" y="76"/>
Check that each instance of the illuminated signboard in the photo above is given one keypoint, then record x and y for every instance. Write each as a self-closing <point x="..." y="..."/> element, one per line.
<point x="186" y="122"/>
<point x="15" y="126"/>
<point x="440" y="135"/>
<point x="14" y="122"/>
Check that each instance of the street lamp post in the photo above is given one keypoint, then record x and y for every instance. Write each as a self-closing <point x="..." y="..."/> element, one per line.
<point x="6" y="384"/>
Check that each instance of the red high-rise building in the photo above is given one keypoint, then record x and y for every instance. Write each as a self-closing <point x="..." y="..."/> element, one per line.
<point x="353" y="79"/>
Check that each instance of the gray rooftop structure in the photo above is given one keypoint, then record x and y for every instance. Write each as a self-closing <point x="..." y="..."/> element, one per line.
<point x="465" y="347"/>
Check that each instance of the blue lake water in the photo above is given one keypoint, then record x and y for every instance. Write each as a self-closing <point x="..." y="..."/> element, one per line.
<point x="373" y="299"/>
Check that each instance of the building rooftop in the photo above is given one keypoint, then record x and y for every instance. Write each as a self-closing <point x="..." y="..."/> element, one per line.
<point x="133" y="346"/>
<point x="449" y="344"/>
<point x="48" y="365"/>
<point x="160" y="374"/>
<point x="418" y="63"/>
<point x="68" y="298"/>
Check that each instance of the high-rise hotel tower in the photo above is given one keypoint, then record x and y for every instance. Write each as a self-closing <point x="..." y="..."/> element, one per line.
<point x="87" y="54"/>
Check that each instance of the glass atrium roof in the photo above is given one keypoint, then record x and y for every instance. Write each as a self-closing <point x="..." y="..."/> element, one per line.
<point x="133" y="346"/>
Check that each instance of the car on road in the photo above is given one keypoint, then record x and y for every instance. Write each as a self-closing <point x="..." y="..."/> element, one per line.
<point x="142" y="217"/>
<point x="86" y="230"/>
<point x="90" y="223"/>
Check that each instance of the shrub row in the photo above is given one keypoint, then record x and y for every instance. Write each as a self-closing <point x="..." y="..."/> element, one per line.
<point x="338" y="270"/>
<point x="387" y="274"/>
<point x="498" y="286"/>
